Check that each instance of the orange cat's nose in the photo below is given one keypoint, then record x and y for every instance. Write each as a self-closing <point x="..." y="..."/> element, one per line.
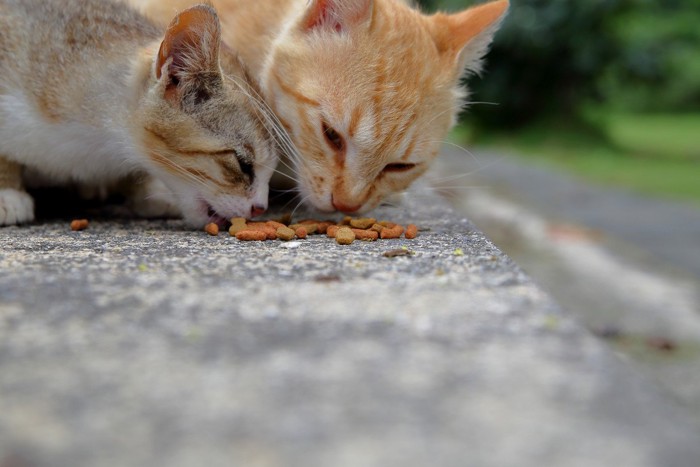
<point x="346" y="208"/>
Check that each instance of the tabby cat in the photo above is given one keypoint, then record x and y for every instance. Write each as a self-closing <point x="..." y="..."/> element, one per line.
<point x="366" y="89"/>
<point x="92" y="92"/>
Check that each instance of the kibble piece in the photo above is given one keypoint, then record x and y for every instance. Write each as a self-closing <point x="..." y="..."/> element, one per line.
<point x="79" y="224"/>
<point x="378" y="228"/>
<point x="310" y="228"/>
<point x="235" y="228"/>
<point x="271" y="232"/>
<point x="301" y="232"/>
<point x="411" y="231"/>
<point x="332" y="230"/>
<point x="251" y="235"/>
<point x="367" y="235"/>
<point x="275" y="225"/>
<point x="212" y="229"/>
<point x="285" y="233"/>
<point x="393" y="232"/>
<point x="237" y="224"/>
<point x="286" y="219"/>
<point x="345" y="236"/>
<point x="387" y="224"/>
<point x="346" y="221"/>
<point x="362" y="222"/>
<point x="323" y="227"/>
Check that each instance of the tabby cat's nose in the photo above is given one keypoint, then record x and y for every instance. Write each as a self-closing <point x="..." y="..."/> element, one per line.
<point x="256" y="211"/>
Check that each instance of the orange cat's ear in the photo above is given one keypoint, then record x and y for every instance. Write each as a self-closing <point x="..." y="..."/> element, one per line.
<point x="191" y="44"/>
<point x="337" y="15"/>
<point x="465" y="36"/>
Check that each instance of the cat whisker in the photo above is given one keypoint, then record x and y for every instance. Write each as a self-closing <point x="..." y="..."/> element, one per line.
<point x="290" y="168"/>
<point x="447" y="188"/>
<point x="273" y="124"/>
<point x="461" y="148"/>
<point x="294" y="198"/>
<point x="299" y="204"/>
<point x="480" y="165"/>
<point x="197" y="181"/>
<point x="437" y="115"/>
<point x="281" y="173"/>
<point x="470" y="103"/>
<point x="450" y="178"/>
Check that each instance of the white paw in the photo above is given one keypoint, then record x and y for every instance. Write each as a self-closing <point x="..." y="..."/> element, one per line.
<point x="16" y="207"/>
<point x="153" y="199"/>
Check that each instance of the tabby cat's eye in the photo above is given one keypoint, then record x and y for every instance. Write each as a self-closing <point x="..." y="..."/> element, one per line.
<point x="333" y="138"/>
<point x="399" y="167"/>
<point x="246" y="168"/>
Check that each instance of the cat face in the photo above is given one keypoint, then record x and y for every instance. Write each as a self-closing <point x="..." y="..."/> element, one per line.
<point x="368" y="89"/>
<point x="201" y="129"/>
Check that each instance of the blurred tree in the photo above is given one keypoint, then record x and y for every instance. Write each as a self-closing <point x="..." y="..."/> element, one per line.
<point x="552" y="57"/>
<point x="659" y="69"/>
<point x="545" y="61"/>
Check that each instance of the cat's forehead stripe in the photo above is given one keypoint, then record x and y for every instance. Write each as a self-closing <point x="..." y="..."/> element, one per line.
<point x="295" y="94"/>
<point x="355" y="118"/>
<point x="200" y="152"/>
<point x="409" y="149"/>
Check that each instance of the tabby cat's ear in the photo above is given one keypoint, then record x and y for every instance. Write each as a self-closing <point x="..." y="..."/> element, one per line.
<point x="465" y="36"/>
<point x="191" y="45"/>
<point x="337" y="15"/>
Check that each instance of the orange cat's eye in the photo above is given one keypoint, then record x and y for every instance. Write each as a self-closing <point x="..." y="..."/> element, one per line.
<point x="333" y="138"/>
<point x="398" y="167"/>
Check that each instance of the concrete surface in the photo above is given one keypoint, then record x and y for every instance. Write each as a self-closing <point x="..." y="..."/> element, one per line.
<point x="139" y="344"/>
<point x="624" y="264"/>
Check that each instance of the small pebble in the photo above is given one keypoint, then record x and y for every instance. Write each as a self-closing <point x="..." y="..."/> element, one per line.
<point x="397" y="253"/>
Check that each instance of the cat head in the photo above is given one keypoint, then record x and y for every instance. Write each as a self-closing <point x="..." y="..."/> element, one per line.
<point x="203" y="133"/>
<point x="368" y="89"/>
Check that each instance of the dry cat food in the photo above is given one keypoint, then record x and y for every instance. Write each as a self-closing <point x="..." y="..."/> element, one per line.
<point x="212" y="229"/>
<point x="345" y="236"/>
<point x="344" y="232"/>
<point x="79" y="224"/>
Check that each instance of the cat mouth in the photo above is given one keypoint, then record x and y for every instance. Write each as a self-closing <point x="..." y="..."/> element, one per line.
<point x="214" y="217"/>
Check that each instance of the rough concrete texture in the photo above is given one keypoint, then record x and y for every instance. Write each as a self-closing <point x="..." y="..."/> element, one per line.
<point x="139" y="343"/>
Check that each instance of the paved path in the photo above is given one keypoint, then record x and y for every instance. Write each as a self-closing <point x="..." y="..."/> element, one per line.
<point x="138" y="343"/>
<point x="669" y="231"/>
<point x="627" y="266"/>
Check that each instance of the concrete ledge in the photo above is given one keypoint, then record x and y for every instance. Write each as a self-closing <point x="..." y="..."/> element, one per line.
<point x="137" y="343"/>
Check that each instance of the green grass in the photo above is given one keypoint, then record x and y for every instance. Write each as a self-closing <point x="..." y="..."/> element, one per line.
<point x="659" y="136"/>
<point x="652" y="154"/>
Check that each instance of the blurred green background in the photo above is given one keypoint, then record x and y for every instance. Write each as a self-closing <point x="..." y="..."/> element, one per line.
<point x="609" y="89"/>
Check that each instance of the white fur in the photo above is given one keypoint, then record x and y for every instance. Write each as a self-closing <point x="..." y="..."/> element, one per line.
<point x="63" y="151"/>
<point x="153" y="199"/>
<point x="16" y="207"/>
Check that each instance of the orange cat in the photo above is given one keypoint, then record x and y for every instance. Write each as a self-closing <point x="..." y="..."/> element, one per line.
<point x="366" y="89"/>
